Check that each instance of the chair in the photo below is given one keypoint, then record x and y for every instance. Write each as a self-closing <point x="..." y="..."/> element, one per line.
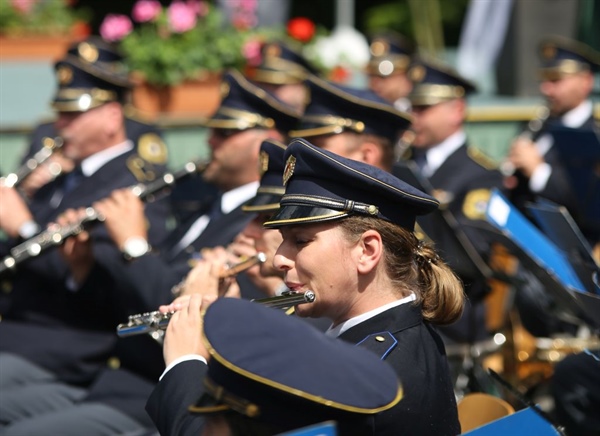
<point x="477" y="409"/>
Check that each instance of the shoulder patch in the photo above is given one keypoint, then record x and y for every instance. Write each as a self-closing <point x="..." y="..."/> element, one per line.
<point x="380" y="343"/>
<point x="482" y="159"/>
<point x="475" y="203"/>
<point x="152" y="149"/>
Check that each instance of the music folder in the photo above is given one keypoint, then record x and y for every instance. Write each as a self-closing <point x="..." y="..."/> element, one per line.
<point x="457" y="250"/>
<point x="542" y="257"/>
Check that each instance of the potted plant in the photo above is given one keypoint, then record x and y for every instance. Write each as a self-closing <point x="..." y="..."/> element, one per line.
<point x="39" y="28"/>
<point x="186" y="43"/>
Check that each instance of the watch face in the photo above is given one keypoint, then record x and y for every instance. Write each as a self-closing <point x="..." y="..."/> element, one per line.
<point x="136" y="247"/>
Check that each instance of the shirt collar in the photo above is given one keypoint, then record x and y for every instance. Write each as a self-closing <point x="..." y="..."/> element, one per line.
<point x="334" y="332"/>
<point x="93" y="163"/>
<point x="438" y="154"/>
<point x="237" y="196"/>
<point x="579" y="115"/>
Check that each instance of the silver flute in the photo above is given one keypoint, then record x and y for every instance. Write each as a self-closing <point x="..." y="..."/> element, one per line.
<point x="49" y="146"/>
<point x="151" y="322"/>
<point x="56" y="235"/>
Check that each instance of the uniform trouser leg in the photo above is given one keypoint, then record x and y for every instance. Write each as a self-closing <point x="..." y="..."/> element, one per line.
<point x="90" y="419"/>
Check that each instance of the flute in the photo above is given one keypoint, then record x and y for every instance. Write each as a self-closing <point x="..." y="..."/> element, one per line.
<point x="50" y="145"/>
<point x="55" y="236"/>
<point x="154" y="321"/>
<point x="233" y="270"/>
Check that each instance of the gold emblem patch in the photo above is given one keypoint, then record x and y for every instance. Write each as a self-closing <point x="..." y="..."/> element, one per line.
<point x="475" y="204"/>
<point x="64" y="75"/>
<point x="263" y="162"/>
<point x="416" y="73"/>
<point x="289" y="169"/>
<point x="152" y="149"/>
<point x="88" y="52"/>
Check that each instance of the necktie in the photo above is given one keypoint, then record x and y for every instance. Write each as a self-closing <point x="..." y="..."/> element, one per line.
<point x="72" y="180"/>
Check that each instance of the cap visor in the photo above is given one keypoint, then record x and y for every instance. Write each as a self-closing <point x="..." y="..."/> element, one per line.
<point x="262" y="203"/>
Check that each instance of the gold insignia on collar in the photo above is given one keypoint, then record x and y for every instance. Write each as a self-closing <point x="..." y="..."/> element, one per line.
<point x="272" y="51"/>
<point x="64" y="75"/>
<point x="289" y="169"/>
<point x="444" y="197"/>
<point x="88" y="52"/>
<point x="379" y="47"/>
<point x="263" y="162"/>
<point x="152" y="149"/>
<point x="224" y="89"/>
<point x="416" y="73"/>
<point x="475" y="204"/>
<point x="549" y="51"/>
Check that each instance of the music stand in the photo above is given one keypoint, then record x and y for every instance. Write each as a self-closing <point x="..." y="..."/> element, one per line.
<point x="538" y="254"/>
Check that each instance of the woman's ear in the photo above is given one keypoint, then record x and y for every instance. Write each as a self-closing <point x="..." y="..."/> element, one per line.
<point x="370" y="251"/>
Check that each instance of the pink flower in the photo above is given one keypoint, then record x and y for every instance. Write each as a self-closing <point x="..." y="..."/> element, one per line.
<point x="251" y="51"/>
<point x="146" y="10"/>
<point x="23" y="6"/>
<point x="200" y="8"/>
<point x="115" y="27"/>
<point x="181" y="16"/>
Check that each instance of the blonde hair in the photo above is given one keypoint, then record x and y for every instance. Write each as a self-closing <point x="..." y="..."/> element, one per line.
<point x="414" y="266"/>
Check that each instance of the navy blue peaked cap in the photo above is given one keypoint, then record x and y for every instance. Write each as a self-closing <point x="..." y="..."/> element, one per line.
<point x="390" y="53"/>
<point x="271" y="187"/>
<point x="560" y="56"/>
<point x="91" y="73"/>
<point x="435" y="82"/>
<point x="279" y="370"/>
<point x="247" y="106"/>
<point x="282" y="64"/>
<point x="322" y="186"/>
<point x="334" y="109"/>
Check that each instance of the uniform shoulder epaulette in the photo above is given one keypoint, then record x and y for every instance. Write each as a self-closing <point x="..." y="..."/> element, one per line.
<point x="380" y="343"/>
<point x="481" y="158"/>
<point x="151" y="155"/>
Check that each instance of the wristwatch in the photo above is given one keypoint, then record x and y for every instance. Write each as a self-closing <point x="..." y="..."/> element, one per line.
<point x="135" y="247"/>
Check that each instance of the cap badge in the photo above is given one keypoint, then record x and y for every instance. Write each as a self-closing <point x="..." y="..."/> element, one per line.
<point x="549" y="51"/>
<point x="289" y="169"/>
<point x="152" y="149"/>
<point x="272" y="51"/>
<point x="88" y="52"/>
<point x="417" y="73"/>
<point x="263" y="162"/>
<point x="379" y="47"/>
<point x="64" y="75"/>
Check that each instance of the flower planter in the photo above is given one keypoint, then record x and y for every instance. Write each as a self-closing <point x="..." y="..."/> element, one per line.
<point x="33" y="47"/>
<point x="190" y="99"/>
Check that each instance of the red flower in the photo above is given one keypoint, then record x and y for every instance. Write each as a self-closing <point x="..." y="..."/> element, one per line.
<point x="301" y="29"/>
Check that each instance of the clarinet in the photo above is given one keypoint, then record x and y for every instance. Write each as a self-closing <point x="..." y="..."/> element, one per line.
<point x="530" y="133"/>
<point x="152" y="322"/>
<point x="50" y="146"/>
<point x="56" y="235"/>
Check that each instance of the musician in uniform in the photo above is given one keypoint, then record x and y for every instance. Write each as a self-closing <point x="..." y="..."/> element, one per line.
<point x="347" y="235"/>
<point x="460" y="177"/>
<point x="86" y="54"/>
<point x="53" y="331"/>
<point x="567" y="71"/>
<point x="282" y="71"/>
<point x="356" y="124"/>
<point x="391" y="55"/>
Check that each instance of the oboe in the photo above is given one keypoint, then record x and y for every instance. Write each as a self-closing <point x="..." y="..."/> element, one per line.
<point x="154" y="321"/>
<point x="56" y="235"/>
<point x="49" y="146"/>
<point x="233" y="270"/>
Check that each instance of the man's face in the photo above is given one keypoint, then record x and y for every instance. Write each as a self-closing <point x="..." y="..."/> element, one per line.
<point x="567" y="92"/>
<point x="234" y="157"/>
<point x="85" y="133"/>
<point x="294" y="94"/>
<point x="433" y="124"/>
<point x="391" y="87"/>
